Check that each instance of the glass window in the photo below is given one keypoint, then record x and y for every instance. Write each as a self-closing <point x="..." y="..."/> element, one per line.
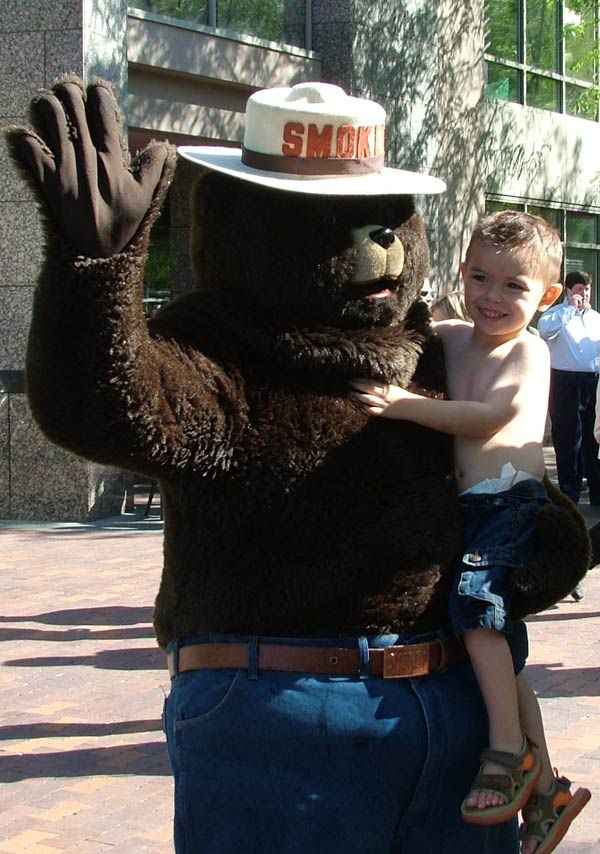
<point x="579" y="20"/>
<point x="492" y="205"/>
<point x="581" y="102"/>
<point x="189" y="10"/>
<point x="274" y="20"/>
<point x="529" y="38"/>
<point x="501" y="21"/>
<point x="551" y="215"/>
<point x="502" y="82"/>
<point x="581" y="228"/>
<point x="158" y="277"/>
<point x="542" y="92"/>
<point x="581" y="259"/>
<point x="542" y="34"/>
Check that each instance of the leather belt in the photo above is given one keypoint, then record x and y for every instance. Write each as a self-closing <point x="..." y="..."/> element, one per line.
<point x="392" y="662"/>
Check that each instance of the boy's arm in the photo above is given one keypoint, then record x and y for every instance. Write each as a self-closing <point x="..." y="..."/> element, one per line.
<point x="458" y="417"/>
<point x="517" y="385"/>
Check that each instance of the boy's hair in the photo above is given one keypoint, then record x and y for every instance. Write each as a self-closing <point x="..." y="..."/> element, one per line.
<point x="517" y="231"/>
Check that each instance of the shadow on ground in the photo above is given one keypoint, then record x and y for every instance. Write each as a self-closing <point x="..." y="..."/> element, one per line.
<point x="151" y="658"/>
<point x="149" y="759"/>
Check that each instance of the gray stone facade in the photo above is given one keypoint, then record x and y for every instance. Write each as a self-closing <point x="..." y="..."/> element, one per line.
<point x="39" y="41"/>
<point x="422" y="59"/>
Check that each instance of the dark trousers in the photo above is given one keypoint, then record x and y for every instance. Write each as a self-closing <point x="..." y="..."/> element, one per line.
<point x="572" y="412"/>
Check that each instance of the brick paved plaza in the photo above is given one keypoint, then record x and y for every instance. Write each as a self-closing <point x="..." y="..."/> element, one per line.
<point x="83" y="765"/>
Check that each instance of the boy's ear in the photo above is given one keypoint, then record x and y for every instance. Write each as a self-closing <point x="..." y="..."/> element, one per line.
<point x="550" y="296"/>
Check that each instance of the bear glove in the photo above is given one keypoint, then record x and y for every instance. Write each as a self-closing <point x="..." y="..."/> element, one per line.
<point x="76" y="162"/>
<point x="562" y="556"/>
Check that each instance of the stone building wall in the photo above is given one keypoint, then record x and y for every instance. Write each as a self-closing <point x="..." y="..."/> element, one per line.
<point x="40" y="40"/>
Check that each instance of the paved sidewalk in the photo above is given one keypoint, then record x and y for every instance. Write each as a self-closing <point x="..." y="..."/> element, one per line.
<point x="83" y="764"/>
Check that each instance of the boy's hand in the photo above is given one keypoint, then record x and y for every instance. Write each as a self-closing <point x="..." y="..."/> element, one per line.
<point x="380" y="398"/>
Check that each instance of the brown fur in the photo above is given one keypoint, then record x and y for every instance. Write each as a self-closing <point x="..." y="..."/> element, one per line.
<point x="287" y="510"/>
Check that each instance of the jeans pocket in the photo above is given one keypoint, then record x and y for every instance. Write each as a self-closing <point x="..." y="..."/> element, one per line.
<point x="203" y="694"/>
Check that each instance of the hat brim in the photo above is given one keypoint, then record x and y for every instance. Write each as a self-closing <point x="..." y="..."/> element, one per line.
<point x="388" y="182"/>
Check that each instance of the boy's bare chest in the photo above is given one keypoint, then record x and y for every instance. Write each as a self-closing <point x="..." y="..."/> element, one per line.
<point x="471" y="373"/>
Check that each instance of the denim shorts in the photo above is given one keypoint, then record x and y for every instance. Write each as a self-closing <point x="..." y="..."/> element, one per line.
<point x="499" y="538"/>
<point x="272" y="761"/>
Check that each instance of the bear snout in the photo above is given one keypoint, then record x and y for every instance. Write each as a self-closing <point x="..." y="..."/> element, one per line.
<point x="379" y="254"/>
<point x="383" y="236"/>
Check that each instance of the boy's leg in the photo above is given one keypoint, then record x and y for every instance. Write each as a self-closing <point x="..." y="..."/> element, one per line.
<point x="492" y="662"/>
<point x="552" y="807"/>
<point x="532" y="723"/>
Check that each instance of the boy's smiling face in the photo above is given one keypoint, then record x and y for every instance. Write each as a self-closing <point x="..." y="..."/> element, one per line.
<point x="504" y="289"/>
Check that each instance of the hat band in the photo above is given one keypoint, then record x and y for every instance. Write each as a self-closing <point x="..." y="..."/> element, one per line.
<point x="312" y="165"/>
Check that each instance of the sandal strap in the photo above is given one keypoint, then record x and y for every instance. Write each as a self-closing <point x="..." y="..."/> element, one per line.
<point x="501" y="784"/>
<point x="540" y="812"/>
<point x="500" y="757"/>
<point x="506" y="759"/>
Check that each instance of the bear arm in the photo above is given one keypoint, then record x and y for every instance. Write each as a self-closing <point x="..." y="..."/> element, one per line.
<point x="562" y="557"/>
<point x="101" y="386"/>
<point x="429" y="377"/>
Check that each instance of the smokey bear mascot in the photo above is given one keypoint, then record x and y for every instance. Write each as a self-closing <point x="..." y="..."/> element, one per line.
<point x="318" y="702"/>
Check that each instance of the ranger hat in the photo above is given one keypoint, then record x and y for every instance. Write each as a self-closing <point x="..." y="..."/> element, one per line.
<point x="313" y="138"/>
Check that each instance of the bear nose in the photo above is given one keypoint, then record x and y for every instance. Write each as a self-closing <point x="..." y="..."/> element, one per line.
<point x="383" y="236"/>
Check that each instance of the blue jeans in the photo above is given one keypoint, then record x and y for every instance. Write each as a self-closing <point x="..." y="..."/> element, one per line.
<point x="499" y="538"/>
<point x="296" y="763"/>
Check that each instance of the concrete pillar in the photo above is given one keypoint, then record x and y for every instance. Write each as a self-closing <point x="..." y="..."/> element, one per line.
<point x="39" y="41"/>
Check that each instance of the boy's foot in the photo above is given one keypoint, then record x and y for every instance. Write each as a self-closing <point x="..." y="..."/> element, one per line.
<point x="547" y="816"/>
<point x="503" y="785"/>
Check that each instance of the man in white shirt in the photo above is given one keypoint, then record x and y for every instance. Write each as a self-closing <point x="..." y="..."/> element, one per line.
<point x="572" y="331"/>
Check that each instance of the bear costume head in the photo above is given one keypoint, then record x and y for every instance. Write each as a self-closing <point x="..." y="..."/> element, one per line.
<point x="288" y="511"/>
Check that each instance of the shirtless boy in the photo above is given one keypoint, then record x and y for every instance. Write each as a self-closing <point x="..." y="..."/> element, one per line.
<point x="498" y="381"/>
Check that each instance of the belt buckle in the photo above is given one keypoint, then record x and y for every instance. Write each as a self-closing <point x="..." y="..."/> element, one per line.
<point x="404" y="662"/>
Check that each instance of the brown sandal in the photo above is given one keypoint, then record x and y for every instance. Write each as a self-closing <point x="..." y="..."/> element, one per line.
<point x="547" y="817"/>
<point x="515" y="787"/>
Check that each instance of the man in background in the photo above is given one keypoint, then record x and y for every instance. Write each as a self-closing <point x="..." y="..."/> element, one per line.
<point x="572" y="331"/>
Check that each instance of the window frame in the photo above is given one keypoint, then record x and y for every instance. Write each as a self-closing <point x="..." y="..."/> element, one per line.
<point x="523" y="68"/>
<point x="212" y="27"/>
